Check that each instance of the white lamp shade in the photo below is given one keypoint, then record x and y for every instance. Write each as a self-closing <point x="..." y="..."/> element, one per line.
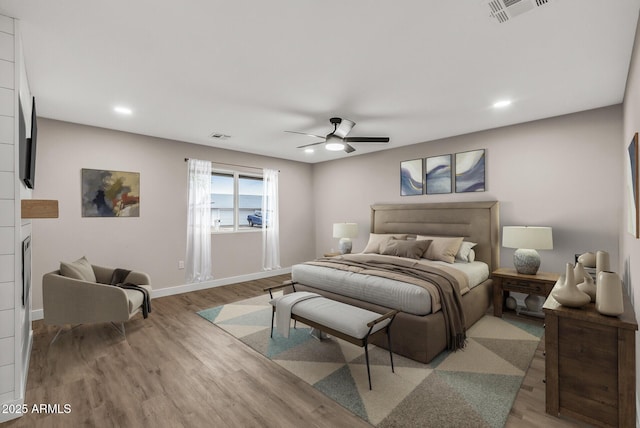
<point x="345" y="230"/>
<point x="529" y="237"/>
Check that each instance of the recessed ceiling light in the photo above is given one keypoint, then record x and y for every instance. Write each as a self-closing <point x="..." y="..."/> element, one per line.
<point x="122" y="110"/>
<point x="502" y="104"/>
<point x="309" y="150"/>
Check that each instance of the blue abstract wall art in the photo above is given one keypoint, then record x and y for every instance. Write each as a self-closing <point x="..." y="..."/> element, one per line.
<point x="438" y="174"/>
<point x="470" y="176"/>
<point x="411" y="173"/>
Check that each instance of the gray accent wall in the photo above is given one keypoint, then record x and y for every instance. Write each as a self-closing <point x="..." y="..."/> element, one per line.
<point x="562" y="172"/>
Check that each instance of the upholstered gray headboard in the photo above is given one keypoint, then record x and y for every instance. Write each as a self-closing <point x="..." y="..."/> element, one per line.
<point x="475" y="221"/>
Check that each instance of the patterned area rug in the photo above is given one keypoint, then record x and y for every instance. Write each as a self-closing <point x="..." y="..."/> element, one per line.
<point x="474" y="387"/>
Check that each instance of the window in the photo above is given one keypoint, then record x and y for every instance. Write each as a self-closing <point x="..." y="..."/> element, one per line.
<point x="236" y="201"/>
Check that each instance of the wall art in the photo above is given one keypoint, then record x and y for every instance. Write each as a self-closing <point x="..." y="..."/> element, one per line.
<point x="470" y="171"/>
<point x="411" y="173"/>
<point x="108" y="193"/>
<point x="438" y="174"/>
<point x="632" y="187"/>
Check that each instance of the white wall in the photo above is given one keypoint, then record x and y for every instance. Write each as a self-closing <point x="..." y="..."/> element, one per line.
<point x="562" y="172"/>
<point x="630" y="246"/>
<point x="155" y="241"/>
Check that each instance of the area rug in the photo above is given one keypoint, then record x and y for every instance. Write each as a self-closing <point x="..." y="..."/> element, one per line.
<point x="474" y="387"/>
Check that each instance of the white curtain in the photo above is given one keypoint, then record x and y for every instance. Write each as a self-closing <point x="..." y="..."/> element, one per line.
<point x="198" y="257"/>
<point x="270" y="221"/>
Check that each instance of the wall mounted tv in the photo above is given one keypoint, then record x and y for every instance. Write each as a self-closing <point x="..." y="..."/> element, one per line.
<point x="28" y="146"/>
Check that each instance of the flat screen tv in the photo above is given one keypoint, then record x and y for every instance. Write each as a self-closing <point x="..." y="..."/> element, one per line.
<point x="28" y="147"/>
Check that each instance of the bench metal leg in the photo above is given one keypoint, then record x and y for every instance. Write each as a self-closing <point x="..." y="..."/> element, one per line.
<point x="389" y="345"/>
<point x="273" y="314"/>
<point x="366" y="356"/>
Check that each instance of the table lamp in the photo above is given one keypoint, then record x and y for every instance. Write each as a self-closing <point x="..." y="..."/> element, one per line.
<point x="527" y="239"/>
<point x="345" y="231"/>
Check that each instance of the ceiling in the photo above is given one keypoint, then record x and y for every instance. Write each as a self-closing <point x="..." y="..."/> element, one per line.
<point x="414" y="70"/>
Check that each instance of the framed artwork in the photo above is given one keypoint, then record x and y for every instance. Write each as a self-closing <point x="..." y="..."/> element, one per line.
<point x="438" y="174"/>
<point x="632" y="187"/>
<point x="110" y="193"/>
<point x="411" y="173"/>
<point x="470" y="175"/>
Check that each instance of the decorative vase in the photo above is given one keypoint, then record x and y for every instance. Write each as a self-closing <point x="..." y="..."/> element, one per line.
<point x="587" y="259"/>
<point x="511" y="303"/>
<point x="609" y="294"/>
<point x="533" y="302"/>
<point x="566" y="291"/>
<point x="579" y="273"/>
<point x="588" y="286"/>
<point x="602" y="262"/>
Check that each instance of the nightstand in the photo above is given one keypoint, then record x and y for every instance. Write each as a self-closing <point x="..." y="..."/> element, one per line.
<point x="507" y="279"/>
<point x="590" y="364"/>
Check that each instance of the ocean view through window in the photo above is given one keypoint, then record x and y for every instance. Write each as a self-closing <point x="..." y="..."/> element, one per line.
<point x="234" y="197"/>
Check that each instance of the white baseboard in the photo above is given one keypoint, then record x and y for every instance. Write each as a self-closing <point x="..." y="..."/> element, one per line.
<point x="179" y="289"/>
<point x="38" y="314"/>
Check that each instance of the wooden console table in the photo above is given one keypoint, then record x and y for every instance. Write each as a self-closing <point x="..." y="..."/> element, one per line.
<point x="590" y="364"/>
<point x="505" y="280"/>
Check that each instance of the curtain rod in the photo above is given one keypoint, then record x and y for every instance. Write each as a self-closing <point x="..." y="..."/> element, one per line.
<point x="232" y="164"/>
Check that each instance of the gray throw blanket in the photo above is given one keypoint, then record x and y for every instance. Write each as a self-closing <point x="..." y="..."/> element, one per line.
<point x="450" y="297"/>
<point x="117" y="279"/>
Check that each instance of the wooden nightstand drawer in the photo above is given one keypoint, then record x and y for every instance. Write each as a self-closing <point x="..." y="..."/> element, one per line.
<point x="526" y="287"/>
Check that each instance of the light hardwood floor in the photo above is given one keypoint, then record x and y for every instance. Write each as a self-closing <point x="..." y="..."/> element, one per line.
<point x="175" y="369"/>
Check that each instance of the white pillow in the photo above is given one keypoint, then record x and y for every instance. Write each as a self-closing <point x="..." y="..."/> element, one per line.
<point x="376" y="239"/>
<point x="472" y="256"/>
<point x="441" y="248"/>
<point x="465" y="249"/>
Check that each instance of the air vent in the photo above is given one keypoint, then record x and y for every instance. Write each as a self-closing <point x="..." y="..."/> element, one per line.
<point x="505" y="10"/>
<point x="219" y="136"/>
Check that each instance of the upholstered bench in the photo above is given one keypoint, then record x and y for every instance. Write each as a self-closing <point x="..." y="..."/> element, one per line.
<point x="349" y="323"/>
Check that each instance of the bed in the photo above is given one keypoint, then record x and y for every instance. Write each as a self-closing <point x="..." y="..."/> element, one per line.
<point x="419" y="334"/>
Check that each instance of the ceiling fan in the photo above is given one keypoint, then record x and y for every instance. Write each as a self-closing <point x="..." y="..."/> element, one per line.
<point x="338" y="140"/>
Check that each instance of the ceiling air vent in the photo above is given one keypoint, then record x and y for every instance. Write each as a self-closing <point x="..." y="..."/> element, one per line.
<point x="219" y="136"/>
<point x="505" y="10"/>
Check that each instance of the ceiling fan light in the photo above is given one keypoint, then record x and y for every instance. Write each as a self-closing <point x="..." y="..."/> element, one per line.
<point x="334" y="146"/>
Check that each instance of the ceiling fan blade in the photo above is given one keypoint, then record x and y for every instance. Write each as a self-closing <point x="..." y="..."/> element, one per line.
<point x="308" y="135"/>
<point x="344" y="128"/>
<point x="348" y="148"/>
<point x="309" y="145"/>
<point x="367" y="139"/>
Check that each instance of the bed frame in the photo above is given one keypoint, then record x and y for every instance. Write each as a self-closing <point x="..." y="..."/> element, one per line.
<point x="421" y="338"/>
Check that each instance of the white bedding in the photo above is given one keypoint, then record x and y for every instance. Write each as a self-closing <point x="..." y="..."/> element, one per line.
<point x="382" y="291"/>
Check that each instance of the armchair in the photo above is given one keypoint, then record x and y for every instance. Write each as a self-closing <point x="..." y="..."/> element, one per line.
<point x="76" y="298"/>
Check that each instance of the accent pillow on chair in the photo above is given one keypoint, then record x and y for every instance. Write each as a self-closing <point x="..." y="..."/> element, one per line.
<point x="80" y="269"/>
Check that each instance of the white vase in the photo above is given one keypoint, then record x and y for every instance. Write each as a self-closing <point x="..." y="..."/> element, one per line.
<point x="588" y="286"/>
<point x="568" y="294"/>
<point x="588" y="259"/>
<point x="609" y="294"/>
<point x="602" y="262"/>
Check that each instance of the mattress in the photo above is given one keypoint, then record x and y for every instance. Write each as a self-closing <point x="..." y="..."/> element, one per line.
<point x="386" y="292"/>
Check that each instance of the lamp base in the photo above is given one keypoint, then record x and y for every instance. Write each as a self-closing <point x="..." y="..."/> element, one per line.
<point x="345" y="245"/>
<point x="526" y="261"/>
